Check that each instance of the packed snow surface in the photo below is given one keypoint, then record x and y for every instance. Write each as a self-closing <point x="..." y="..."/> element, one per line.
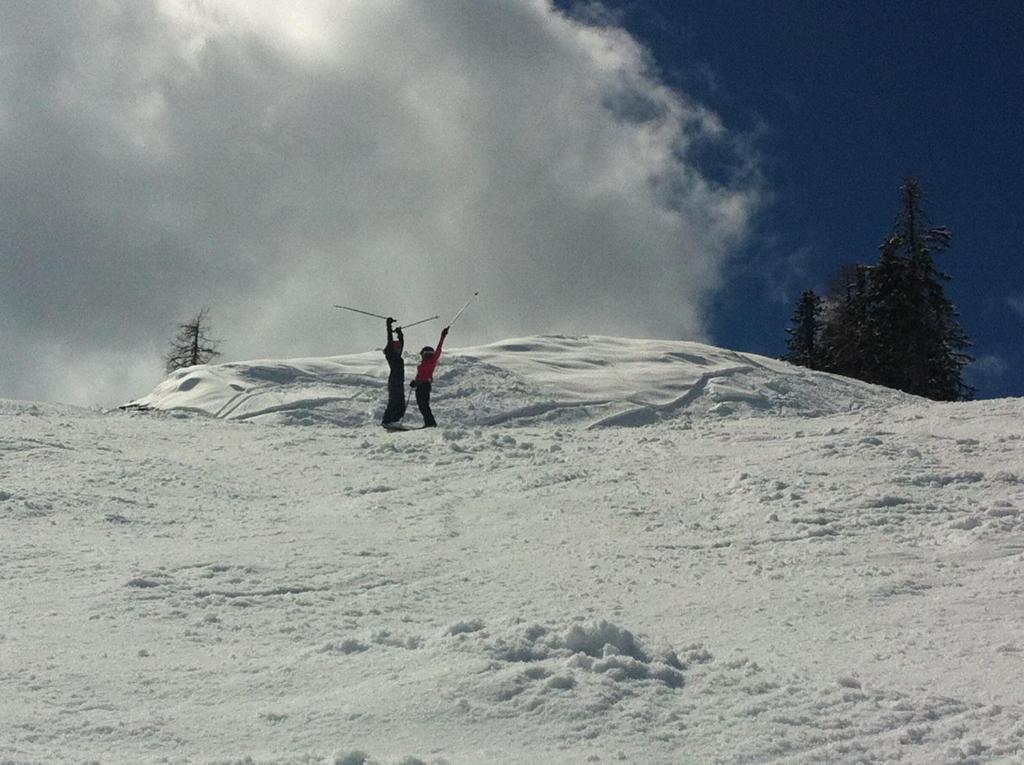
<point x="611" y="550"/>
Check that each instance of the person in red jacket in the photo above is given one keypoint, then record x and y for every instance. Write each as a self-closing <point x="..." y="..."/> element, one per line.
<point x="425" y="376"/>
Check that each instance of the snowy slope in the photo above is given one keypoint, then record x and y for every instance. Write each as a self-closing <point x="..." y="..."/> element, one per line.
<point x="591" y="380"/>
<point x="778" y="567"/>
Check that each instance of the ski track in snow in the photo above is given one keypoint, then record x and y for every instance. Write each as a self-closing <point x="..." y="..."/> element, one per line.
<point x="780" y="567"/>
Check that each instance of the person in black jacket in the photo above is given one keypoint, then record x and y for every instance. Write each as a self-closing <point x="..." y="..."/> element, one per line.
<point x="396" y="376"/>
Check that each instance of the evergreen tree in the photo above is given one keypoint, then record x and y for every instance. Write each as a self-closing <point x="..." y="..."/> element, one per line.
<point x="892" y="324"/>
<point x="890" y="319"/>
<point x="803" y="342"/>
<point x="919" y="342"/>
<point x="192" y="345"/>
<point x="845" y="347"/>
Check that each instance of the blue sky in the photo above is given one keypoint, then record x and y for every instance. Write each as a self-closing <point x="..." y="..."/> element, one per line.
<point x="843" y="100"/>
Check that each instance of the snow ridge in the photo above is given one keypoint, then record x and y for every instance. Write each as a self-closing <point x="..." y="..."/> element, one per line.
<point x="592" y="381"/>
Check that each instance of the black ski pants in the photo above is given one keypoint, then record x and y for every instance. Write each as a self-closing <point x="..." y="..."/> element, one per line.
<point x="396" y="389"/>
<point x="423" y="402"/>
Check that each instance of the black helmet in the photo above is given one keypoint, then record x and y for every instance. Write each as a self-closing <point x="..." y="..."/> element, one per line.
<point x="426" y="350"/>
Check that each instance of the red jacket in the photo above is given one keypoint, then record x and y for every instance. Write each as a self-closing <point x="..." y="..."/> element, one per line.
<point x="425" y="371"/>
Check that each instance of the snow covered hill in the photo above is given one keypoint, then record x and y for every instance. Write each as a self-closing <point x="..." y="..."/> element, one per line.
<point x="768" y="565"/>
<point x="593" y="381"/>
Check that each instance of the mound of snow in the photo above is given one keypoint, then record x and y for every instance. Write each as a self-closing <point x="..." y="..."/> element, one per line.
<point x="593" y="381"/>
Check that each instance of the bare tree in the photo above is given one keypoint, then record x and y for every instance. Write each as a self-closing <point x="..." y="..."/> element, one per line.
<point x="192" y="344"/>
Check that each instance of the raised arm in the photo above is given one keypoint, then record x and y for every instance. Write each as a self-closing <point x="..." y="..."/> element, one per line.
<point x="444" y="334"/>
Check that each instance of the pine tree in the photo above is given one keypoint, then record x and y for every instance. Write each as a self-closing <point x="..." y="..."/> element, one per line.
<point x="192" y="346"/>
<point x="892" y="324"/>
<point x="920" y="344"/>
<point x="890" y="319"/>
<point x="804" y="335"/>
<point x="845" y="347"/>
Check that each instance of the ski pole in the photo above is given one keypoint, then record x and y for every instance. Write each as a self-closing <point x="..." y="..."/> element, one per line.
<point x="463" y="309"/>
<point x="421" y="321"/>
<point x="356" y="310"/>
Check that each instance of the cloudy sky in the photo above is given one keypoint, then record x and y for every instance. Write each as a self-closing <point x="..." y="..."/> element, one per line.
<point x="632" y="167"/>
<point x="267" y="160"/>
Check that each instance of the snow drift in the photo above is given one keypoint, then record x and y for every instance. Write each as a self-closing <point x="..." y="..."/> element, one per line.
<point x="590" y="381"/>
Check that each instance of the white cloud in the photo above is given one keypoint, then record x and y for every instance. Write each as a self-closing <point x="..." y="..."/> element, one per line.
<point x="988" y="366"/>
<point x="270" y="159"/>
<point x="1016" y="303"/>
